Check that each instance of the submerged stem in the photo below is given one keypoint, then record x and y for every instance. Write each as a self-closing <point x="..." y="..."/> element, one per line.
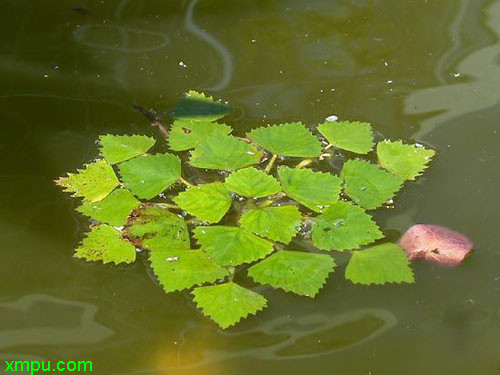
<point x="304" y="163"/>
<point x="270" y="164"/>
<point x="185" y="182"/>
<point x="169" y="205"/>
<point x="269" y="202"/>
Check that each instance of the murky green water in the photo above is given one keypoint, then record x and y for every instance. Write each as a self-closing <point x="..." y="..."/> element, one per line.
<point x="422" y="70"/>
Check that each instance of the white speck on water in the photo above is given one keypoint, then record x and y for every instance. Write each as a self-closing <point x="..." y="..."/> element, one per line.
<point x="182" y="64"/>
<point x="419" y="145"/>
<point x="456" y="75"/>
<point x="332" y="118"/>
<point x="389" y="82"/>
<point x="45" y="76"/>
<point x="254" y="40"/>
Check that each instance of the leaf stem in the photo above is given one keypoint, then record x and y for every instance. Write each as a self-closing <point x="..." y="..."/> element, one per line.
<point x="169" y="205"/>
<point x="270" y="164"/>
<point x="269" y="202"/>
<point x="328" y="146"/>
<point x="185" y="182"/>
<point x="304" y="163"/>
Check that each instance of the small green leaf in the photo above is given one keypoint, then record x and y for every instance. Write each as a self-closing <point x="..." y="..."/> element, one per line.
<point x="118" y="148"/>
<point x="186" y="134"/>
<point x="153" y="227"/>
<point x="183" y="269"/>
<point x="252" y="183"/>
<point x="344" y="226"/>
<point x="386" y="263"/>
<point x="113" y="210"/>
<point x="232" y="246"/>
<point x="224" y="152"/>
<point x="315" y="190"/>
<point x="226" y="304"/>
<point x="92" y="183"/>
<point x="199" y="107"/>
<point x="208" y="202"/>
<point x="406" y="161"/>
<point x="368" y="185"/>
<point x="147" y="176"/>
<point x="351" y="136"/>
<point x="294" y="271"/>
<point x="276" y="223"/>
<point x="287" y="140"/>
<point x="104" y="243"/>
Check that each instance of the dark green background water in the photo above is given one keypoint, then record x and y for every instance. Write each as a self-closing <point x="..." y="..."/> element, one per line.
<point x="421" y="70"/>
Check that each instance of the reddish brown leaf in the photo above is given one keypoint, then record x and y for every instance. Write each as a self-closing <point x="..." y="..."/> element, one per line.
<point x="436" y="244"/>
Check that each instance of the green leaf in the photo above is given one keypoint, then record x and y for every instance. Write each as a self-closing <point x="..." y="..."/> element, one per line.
<point x="113" y="210"/>
<point x="208" y="202"/>
<point x="232" y="246"/>
<point x="92" y="183"/>
<point x="351" y="136"/>
<point x="104" y="243"/>
<point x="406" y="161"/>
<point x="368" y="185"/>
<point x="186" y="134"/>
<point x="252" y="183"/>
<point x="198" y="107"/>
<point x="276" y="223"/>
<point x="153" y="227"/>
<point x="294" y="271"/>
<point x="344" y="226"/>
<point x="224" y="152"/>
<point x="118" y="148"/>
<point x="386" y="263"/>
<point x="226" y="304"/>
<point x="147" y="176"/>
<point x="183" y="269"/>
<point x="315" y="190"/>
<point x="287" y="140"/>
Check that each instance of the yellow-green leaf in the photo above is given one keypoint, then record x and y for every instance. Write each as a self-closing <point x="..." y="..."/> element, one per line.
<point x="208" y="202"/>
<point x="92" y="183"/>
<point x="226" y="304"/>
<point x="294" y="271"/>
<point x="386" y="263"/>
<point x="104" y="243"/>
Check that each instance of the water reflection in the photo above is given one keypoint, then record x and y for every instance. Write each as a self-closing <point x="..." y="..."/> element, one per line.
<point x="278" y="339"/>
<point x="481" y="73"/>
<point x="40" y="319"/>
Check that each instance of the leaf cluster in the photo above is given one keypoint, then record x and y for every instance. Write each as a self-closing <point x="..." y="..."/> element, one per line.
<point x="142" y="201"/>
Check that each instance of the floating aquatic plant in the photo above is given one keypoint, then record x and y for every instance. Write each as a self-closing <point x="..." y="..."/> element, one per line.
<point x="140" y="200"/>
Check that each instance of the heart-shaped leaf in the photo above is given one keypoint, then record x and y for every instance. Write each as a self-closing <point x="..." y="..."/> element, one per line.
<point x="104" y="243"/>
<point x="92" y="183"/>
<point x="287" y="140"/>
<point x="386" y="263"/>
<point x="118" y="148"/>
<point x="232" y="246"/>
<point x="183" y="269"/>
<point x="351" y="136"/>
<point x="252" y="183"/>
<point x="344" y="226"/>
<point x="276" y="223"/>
<point x="294" y="271"/>
<point x="315" y="190"/>
<point x="226" y="304"/>
<point x="406" y="161"/>
<point x="368" y="185"/>
<point x="208" y="202"/>
<point x="147" y="176"/>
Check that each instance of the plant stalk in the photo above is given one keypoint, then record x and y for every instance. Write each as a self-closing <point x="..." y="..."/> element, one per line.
<point x="270" y="164"/>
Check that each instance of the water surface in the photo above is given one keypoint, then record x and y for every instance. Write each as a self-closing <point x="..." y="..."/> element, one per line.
<point x="423" y="71"/>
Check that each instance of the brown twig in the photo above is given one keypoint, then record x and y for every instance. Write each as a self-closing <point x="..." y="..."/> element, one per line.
<point x="151" y="117"/>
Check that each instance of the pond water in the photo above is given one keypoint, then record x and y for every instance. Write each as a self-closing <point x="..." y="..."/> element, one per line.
<point x="424" y="71"/>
